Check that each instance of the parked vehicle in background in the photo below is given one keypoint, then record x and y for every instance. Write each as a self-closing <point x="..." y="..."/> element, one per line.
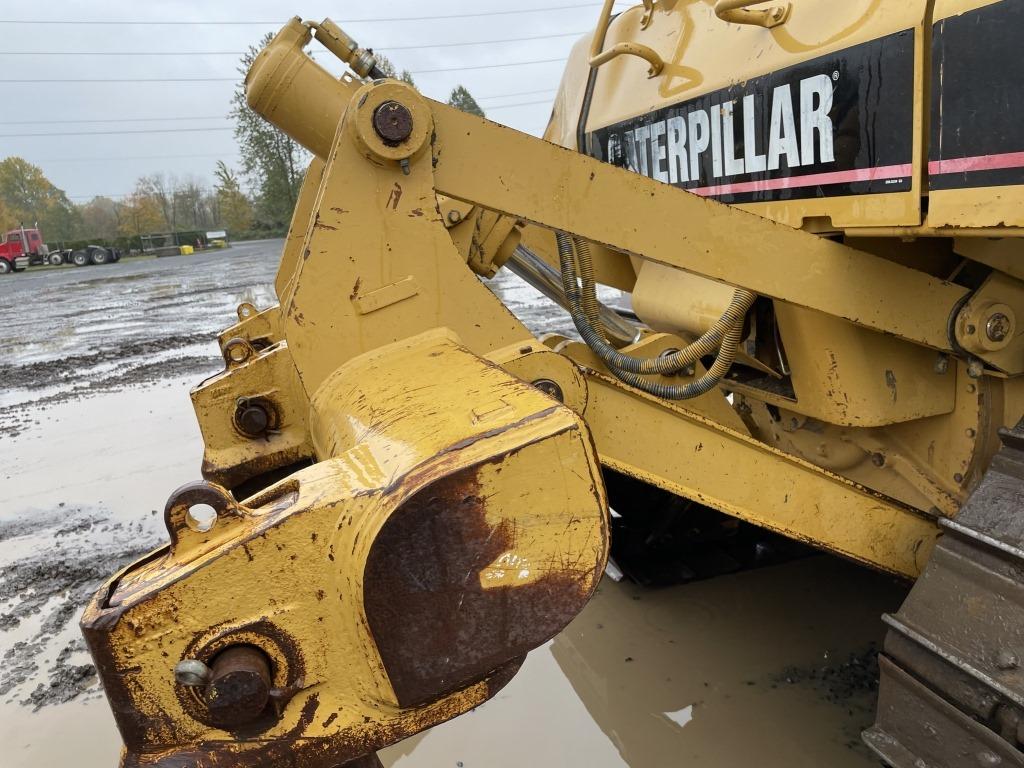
<point x="12" y="263"/>
<point x="24" y="247"/>
<point x="20" y="248"/>
<point x="91" y="254"/>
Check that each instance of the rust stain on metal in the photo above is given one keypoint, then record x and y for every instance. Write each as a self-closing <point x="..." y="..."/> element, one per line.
<point x="239" y="690"/>
<point x="394" y="197"/>
<point x="436" y="626"/>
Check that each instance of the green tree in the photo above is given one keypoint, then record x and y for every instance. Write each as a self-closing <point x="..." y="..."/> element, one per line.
<point x="234" y="211"/>
<point x="30" y="198"/>
<point x="463" y="99"/>
<point x="273" y="163"/>
<point x="385" y="65"/>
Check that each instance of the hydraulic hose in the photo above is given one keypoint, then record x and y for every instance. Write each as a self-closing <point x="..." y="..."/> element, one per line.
<point x="724" y="334"/>
<point x="586" y="272"/>
<point x="699" y="386"/>
<point x="548" y="280"/>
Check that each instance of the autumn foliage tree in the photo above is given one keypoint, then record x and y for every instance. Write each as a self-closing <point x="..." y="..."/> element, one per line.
<point x="233" y="207"/>
<point x="29" y="198"/>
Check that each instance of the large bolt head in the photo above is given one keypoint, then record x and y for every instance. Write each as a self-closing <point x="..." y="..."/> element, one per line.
<point x="997" y="328"/>
<point x="252" y="418"/>
<point x="239" y="690"/>
<point x="550" y="388"/>
<point x="393" y="122"/>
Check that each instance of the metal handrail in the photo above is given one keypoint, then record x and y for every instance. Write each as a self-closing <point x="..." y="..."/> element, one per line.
<point x="599" y="57"/>
<point x="738" y="12"/>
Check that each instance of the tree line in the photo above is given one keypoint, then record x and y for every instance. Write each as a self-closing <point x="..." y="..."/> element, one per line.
<point x="256" y="199"/>
<point x="159" y="203"/>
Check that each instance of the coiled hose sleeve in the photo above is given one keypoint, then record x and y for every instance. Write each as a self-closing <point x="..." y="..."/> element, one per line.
<point x="589" y="288"/>
<point x="708" y="343"/>
<point x="699" y="386"/>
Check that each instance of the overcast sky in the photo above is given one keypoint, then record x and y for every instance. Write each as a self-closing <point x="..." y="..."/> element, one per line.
<point x="85" y="166"/>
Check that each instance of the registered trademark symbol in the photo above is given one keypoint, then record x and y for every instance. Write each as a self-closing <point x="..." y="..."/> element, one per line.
<point x="835" y="75"/>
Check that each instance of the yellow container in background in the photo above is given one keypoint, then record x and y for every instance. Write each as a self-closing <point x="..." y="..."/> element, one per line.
<point x="187" y="250"/>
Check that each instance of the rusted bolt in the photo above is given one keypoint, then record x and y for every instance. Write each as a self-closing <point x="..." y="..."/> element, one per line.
<point x="970" y="329"/>
<point x="237" y="350"/>
<point x="454" y="217"/>
<point x="239" y="687"/>
<point x="192" y="672"/>
<point x="878" y="459"/>
<point x="970" y="432"/>
<point x="393" y="122"/>
<point x="975" y="369"/>
<point x="251" y="417"/>
<point x="997" y="327"/>
<point x="548" y="387"/>
<point x="958" y="478"/>
<point x="941" y="364"/>
<point x="1007" y="660"/>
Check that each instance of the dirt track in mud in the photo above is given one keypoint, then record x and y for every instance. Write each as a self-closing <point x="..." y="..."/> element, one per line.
<point x="771" y="667"/>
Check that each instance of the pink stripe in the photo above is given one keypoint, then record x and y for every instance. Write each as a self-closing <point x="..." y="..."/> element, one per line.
<point x="980" y="163"/>
<point x="813" y="180"/>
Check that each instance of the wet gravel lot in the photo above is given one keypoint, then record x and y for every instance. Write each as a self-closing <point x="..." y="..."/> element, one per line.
<point x="769" y="668"/>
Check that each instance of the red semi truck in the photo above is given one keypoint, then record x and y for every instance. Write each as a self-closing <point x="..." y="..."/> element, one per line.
<point x="23" y="247"/>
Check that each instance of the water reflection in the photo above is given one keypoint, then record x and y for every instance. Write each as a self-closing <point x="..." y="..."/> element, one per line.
<point x="695" y="674"/>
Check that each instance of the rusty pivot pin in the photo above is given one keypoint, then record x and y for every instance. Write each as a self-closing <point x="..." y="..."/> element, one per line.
<point x="236" y="690"/>
<point x="393" y="122"/>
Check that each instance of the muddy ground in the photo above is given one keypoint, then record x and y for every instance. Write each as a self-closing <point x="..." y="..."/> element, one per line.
<point x="773" y="667"/>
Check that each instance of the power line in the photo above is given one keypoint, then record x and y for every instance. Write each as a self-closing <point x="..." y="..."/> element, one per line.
<point x="317" y="52"/>
<point x="235" y="79"/>
<point x="486" y="66"/>
<point x="520" y="93"/>
<point x="122" y="80"/>
<point x="112" y="133"/>
<point x="161" y="23"/>
<point x="519" y="104"/>
<point x="94" y="159"/>
<point x="125" y="80"/>
<point x="185" y="130"/>
<point x="188" y="118"/>
<point x="64" y="120"/>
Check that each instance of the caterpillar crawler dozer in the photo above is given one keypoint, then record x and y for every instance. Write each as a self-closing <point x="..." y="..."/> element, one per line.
<point x="817" y="210"/>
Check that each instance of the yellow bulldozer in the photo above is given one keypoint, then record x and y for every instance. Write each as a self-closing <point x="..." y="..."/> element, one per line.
<point x="816" y="210"/>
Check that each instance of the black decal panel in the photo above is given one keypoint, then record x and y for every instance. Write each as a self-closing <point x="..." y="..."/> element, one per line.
<point x="772" y="138"/>
<point x="977" y="132"/>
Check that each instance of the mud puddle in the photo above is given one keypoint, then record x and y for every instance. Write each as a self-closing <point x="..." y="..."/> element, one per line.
<point x="754" y="669"/>
<point x="52" y="562"/>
